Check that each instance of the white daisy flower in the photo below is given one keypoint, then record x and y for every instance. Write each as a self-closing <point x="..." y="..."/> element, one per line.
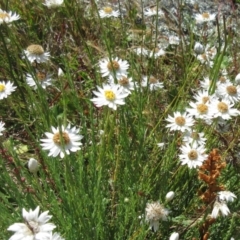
<point x="36" y="53"/>
<point x="152" y="83"/>
<point x="35" y="226"/>
<point x="180" y="122"/>
<point x="226" y="196"/>
<point x="127" y="84"/>
<point x="107" y="12"/>
<point x="155" y="212"/>
<point x="8" y="17"/>
<point x="153" y="11"/>
<point x="113" y="68"/>
<point x="157" y="52"/>
<point x="220" y="207"/>
<point x="204" y="17"/>
<point x="193" y="155"/>
<point x="55" y="236"/>
<point x="110" y="95"/>
<point x="53" y="3"/>
<point x="200" y="110"/>
<point x="229" y="92"/>
<point x="193" y="136"/>
<point x="62" y="140"/>
<point x="2" y="128"/>
<point x="43" y="79"/>
<point x="202" y="96"/>
<point x="6" y="89"/>
<point x="223" y="109"/>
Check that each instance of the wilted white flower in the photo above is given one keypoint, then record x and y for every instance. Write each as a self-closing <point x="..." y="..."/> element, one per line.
<point x="193" y="136"/>
<point x="174" y="236"/>
<point x="6" y="89"/>
<point x="8" y="17"/>
<point x="127" y="84"/>
<point x="43" y="79"/>
<point x="35" y="52"/>
<point x="174" y="40"/>
<point x="53" y="3"/>
<point x="35" y="226"/>
<point x="107" y="12"/>
<point x="33" y="165"/>
<point x="155" y="212"/>
<point x="226" y="196"/>
<point x="170" y="195"/>
<point x="157" y="52"/>
<point x="220" y="207"/>
<point x="151" y="82"/>
<point x="110" y="95"/>
<point x="62" y="140"/>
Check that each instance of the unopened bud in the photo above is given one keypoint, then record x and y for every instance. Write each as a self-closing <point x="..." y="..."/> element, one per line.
<point x="198" y="48"/>
<point x="174" y="236"/>
<point x="33" y="165"/>
<point x="170" y="196"/>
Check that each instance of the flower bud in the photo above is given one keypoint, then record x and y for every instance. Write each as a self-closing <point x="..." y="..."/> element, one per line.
<point x="174" y="236"/>
<point x="170" y="196"/>
<point x="198" y="48"/>
<point x="237" y="79"/>
<point x="33" y="165"/>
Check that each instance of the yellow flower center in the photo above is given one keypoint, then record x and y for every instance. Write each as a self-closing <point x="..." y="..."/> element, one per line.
<point x="202" y="108"/>
<point x="192" y="155"/>
<point x="41" y="76"/>
<point x="4" y="15"/>
<point x="231" y="90"/>
<point x="2" y="87"/>
<point x="153" y="80"/>
<point x="180" y="121"/>
<point x="123" y="81"/>
<point x="109" y="95"/>
<point x="107" y="10"/>
<point x="205" y="15"/>
<point x="114" y="65"/>
<point x="195" y="135"/>
<point x="205" y="99"/>
<point x="222" y="79"/>
<point x="222" y="107"/>
<point x="61" y="138"/>
<point x="35" y="49"/>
